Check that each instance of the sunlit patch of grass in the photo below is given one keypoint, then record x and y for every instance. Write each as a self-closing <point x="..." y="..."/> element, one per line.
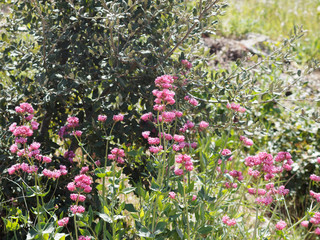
<point x="276" y="18"/>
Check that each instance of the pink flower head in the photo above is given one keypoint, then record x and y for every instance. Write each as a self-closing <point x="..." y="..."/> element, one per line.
<point x="14" y="148"/>
<point x="146" y="116"/>
<point x="77" y="133"/>
<point x="225" y="152"/>
<point x="203" y="125"/>
<point x="178" y="138"/>
<point x="281" y="225"/>
<point x="193" y="102"/>
<point x="153" y="141"/>
<point x="194" y="197"/>
<point x="102" y="118"/>
<point x="178" y="172"/>
<point x="72" y="122"/>
<point x="186" y="64"/>
<point x="63" y="222"/>
<point x="84" y="238"/>
<point x="145" y="134"/>
<point x="164" y="81"/>
<point x="26" y="107"/>
<point x="12" y="127"/>
<point x="84" y="170"/>
<point x="317" y="231"/>
<point x="77" y="197"/>
<point x="46" y="159"/>
<point x="305" y="224"/>
<point x="315" y="178"/>
<point x="34" y="125"/>
<point x="118" y="118"/>
<point x="22" y="131"/>
<point x="172" y="195"/>
<point x="77" y="209"/>
<point x="28" y="118"/>
<point x="318" y="159"/>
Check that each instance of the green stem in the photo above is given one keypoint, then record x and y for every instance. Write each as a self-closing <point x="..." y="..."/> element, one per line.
<point x="186" y="210"/>
<point x="75" y="225"/>
<point x="257" y="219"/>
<point x="113" y="201"/>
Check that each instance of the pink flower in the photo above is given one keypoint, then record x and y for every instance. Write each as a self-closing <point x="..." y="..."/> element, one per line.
<point x="231" y="222"/>
<point x="145" y="134"/>
<point x="34" y="125"/>
<point x="46" y="159"/>
<point x="63" y="222"/>
<point x="172" y="195"/>
<point x="77" y="133"/>
<point x="203" y="125"/>
<point x="153" y="141"/>
<point x="28" y="118"/>
<point x="12" y="127"/>
<point x="178" y="138"/>
<point x="118" y="118"/>
<point x="317" y="231"/>
<point x="225" y="219"/>
<point x="71" y="186"/>
<point x="26" y="107"/>
<point x="318" y="159"/>
<point x="315" y="178"/>
<point x="281" y="225"/>
<point x="77" y="209"/>
<point x="193" y="102"/>
<point x="305" y="224"/>
<point x="72" y="122"/>
<point x="102" y="118"/>
<point x="225" y="152"/>
<point x="84" y="170"/>
<point x="186" y="64"/>
<point x="164" y="81"/>
<point x="23" y="131"/>
<point x="178" y="172"/>
<point x="79" y="197"/>
<point x="14" y="148"/>
<point x="146" y="116"/>
<point x="194" y="197"/>
<point x="84" y="238"/>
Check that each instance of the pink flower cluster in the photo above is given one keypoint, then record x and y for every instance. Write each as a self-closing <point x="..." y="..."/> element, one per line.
<point x="73" y="122"/>
<point x="236" y="107"/>
<point x="81" y="182"/>
<point x="227" y="220"/>
<point x="186" y="126"/>
<point x="186" y="64"/>
<point x="117" y="154"/>
<point x="246" y="141"/>
<point x="186" y="163"/>
<point x="63" y="222"/>
<point x="281" y="225"/>
<point x="24" y="108"/>
<point x="315" y="219"/>
<point x="315" y="195"/>
<point x="315" y="178"/>
<point x="172" y="195"/>
<point x="266" y="164"/>
<point x="267" y="199"/>
<point x="191" y="100"/>
<point x="55" y="173"/>
<point x="84" y="238"/>
<point x="203" y="125"/>
<point x="163" y="98"/>
<point x="102" y="118"/>
<point x="164" y="81"/>
<point x="118" y="118"/>
<point x="24" y="167"/>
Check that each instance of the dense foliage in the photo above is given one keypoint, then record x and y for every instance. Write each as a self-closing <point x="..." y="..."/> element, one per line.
<point x="87" y="71"/>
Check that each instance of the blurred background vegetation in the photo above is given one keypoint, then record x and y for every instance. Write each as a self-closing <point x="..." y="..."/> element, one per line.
<point x="276" y="19"/>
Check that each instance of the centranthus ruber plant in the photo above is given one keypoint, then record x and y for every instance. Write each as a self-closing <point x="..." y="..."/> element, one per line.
<point x="196" y="184"/>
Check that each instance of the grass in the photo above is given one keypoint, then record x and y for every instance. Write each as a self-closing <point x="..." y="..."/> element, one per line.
<point x="276" y="19"/>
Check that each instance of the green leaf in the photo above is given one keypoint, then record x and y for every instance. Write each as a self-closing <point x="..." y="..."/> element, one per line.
<point x="128" y="190"/>
<point x="60" y="236"/>
<point x="180" y="188"/>
<point x="160" y="228"/>
<point x="205" y="229"/>
<point x="129" y="207"/>
<point x="179" y="232"/>
<point x="154" y="186"/>
<point x="105" y="217"/>
<point x="97" y="228"/>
